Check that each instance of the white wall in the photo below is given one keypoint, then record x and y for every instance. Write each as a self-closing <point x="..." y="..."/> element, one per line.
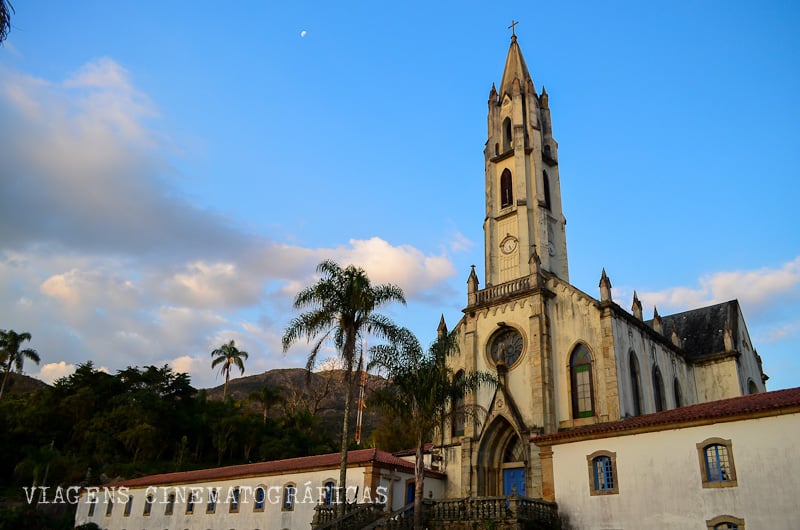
<point x="660" y="483"/>
<point x="272" y="518"/>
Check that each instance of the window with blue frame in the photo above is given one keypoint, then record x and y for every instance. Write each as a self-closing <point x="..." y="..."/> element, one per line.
<point x="289" y="494"/>
<point x="233" y="500"/>
<point x="716" y="463"/>
<point x="211" y="507"/>
<point x="329" y="487"/>
<point x="260" y="497"/>
<point x="603" y="478"/>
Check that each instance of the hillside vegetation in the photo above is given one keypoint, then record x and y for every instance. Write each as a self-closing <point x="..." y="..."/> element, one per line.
<point x="92" y="427"/>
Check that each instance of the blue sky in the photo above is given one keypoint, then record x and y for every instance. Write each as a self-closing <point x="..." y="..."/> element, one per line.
<point x="172" y="172"/>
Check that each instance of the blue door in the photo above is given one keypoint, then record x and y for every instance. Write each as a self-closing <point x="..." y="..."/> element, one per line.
<point x="514" y="481"/>
<point x="410" y="491"/>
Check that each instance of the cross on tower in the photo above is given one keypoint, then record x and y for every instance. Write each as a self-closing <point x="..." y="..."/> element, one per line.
<point x="511" y="27"/>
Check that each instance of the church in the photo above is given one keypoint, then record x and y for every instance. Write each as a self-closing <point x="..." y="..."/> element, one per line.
<point x="565" y="358"/>
<point x="603" y="416"/>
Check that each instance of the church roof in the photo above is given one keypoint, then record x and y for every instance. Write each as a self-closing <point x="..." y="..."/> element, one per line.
<point x="744" y="407"/>
<point x="702" y="330"/>
<point x="273" y="467"/>
<point x="515" y="68"/>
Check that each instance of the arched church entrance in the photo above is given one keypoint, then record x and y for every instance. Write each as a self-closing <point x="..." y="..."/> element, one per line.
<point x="502" y="461"/>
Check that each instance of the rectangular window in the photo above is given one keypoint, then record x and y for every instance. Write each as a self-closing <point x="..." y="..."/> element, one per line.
<point x="289" y="493"/>
<point x="260" y="498"/>
<point x="211" y="507"/>
<point x="233" y="507"/>
<point x="190" y="503"/>
<point x="148" y="505"/>
<point x="603" y="478"/>
<point x="716" y="463"/>
<point x="583" y="381"/>
<point x="170" y="504"/>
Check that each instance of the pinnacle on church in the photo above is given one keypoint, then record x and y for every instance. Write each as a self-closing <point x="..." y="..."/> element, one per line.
<point x="515" y="68"/>
<point x="657" y="321"/>
<point x="442" y="329"/>
<point x="636" y="308"/>
<point x="605" y="287"/>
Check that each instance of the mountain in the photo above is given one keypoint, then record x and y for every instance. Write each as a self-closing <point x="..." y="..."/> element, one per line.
<point x="21" y="383"/>
<point x="321" y="393"/>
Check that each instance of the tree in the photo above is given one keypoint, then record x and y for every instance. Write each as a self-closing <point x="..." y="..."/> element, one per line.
<point x="10" y="353"/>
<point x="227" y="355"/>
<point x="342" y="306"/>
<point x="423" y="392"/>
<point x="6" y="9"/>
<point x="267" y="396"/>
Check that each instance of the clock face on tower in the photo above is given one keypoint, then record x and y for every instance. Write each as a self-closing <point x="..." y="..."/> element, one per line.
<point x="508" y="245"/>
<point x="506" y="347"/>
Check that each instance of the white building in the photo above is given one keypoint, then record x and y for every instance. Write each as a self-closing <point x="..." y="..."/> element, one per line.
<point x="275" y="495"/>
<point x="721" y="465"/>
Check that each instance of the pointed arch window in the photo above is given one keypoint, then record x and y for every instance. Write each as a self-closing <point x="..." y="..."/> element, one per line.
<point x="580" y="368"/>
<point x="457" y="425"/>
<point x="658" y="390"/>
<point x="507" y="138"/>
<point x="636" y="386"/>
<point x="676" y="389"/>
<point x="515" y="451"/>
<point x="506" y="189"/>
<point x="546" y="184"/>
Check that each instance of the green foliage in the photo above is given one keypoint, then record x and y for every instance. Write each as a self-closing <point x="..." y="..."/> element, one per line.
<point x="93" y="426"/>
<point x="226" y="357"/>
<point x="12" y="356"/>
<point x="341" y="307"/>
<point x="6" y="9"/>
<point x="27" y="518"/>
<point x="424" y="393"/>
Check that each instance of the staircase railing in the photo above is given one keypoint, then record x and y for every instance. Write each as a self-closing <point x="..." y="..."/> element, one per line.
<point x="355" y="516"/>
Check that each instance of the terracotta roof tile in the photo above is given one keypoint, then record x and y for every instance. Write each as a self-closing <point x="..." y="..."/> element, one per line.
<point x="763" y="404"/>
<point x="274" y="467"/>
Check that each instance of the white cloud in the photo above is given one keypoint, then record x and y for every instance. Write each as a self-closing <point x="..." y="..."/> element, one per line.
<point x="102" y="259"/>
<point x="781" y="332"/>
<point x="50" y="372"/>
<point x="461" y="243"/>
<point x="755" y="289"/>
<point x="214" y="285"/>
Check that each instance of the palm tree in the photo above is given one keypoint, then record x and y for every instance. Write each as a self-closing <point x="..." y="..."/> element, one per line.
<point x="342" y="306"/>
<point x="424" y="392"/>
<point x="11" y="355"/>
<point x="267" y="396"/>
<point x="228" y="355"/>
<point x="6" y="9"/>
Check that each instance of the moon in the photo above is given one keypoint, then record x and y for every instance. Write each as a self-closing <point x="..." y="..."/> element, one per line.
<point x="303" y="33"/>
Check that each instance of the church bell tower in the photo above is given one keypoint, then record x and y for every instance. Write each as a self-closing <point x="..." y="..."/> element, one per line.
<point x="523" y="190"/>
